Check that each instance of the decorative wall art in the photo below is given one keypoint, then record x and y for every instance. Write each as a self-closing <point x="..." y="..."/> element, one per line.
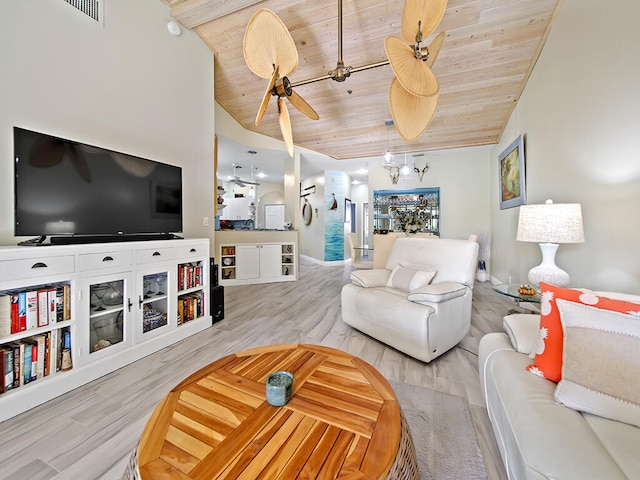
<point x="306" y="212"/>
<point x="512" y="175"/>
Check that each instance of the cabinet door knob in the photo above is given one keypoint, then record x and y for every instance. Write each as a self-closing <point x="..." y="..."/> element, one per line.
<point x="139" y="301"/>
<point x="156" y="254"/>
<point x="193" y="250"/>
<point x="129" y="304"/>
<point x="108" y="258"/>
<point x="39" y="265"/>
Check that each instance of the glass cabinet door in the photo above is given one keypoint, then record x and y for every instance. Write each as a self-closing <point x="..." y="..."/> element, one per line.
<point x="106" y="321"/>
<point x="105" y="306"/>
<point x="153" y="304"/>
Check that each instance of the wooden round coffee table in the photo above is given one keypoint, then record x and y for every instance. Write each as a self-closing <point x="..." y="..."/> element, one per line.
<point x="343" y="420"/>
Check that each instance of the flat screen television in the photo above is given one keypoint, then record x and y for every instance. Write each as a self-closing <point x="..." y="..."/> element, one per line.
<point x="69" y="190"/>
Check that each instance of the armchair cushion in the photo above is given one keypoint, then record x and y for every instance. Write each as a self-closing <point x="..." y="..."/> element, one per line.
<point x="438" y="292"/>
<point x="409" y="279"/>
<point x="377" y="277"/>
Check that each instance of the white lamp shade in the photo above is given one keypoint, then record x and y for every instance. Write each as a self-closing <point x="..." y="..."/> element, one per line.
<point x="551" y="223"/>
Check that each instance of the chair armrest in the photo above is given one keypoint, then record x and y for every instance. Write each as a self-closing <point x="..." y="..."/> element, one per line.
<point x="522" y="329"/>
<point x="370" y="278"/>
<point x="437" y="292"/>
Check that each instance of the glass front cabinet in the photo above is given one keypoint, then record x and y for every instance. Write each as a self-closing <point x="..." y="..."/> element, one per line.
<point x="153" y="304"/>
<point x="107" y="303"/>
<point x="386" y="202"/>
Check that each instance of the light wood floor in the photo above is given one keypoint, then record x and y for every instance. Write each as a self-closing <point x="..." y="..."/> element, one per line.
<point x="89" y="432"/>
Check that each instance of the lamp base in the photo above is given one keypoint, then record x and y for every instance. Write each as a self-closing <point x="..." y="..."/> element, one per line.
<point x="548" y="271"/>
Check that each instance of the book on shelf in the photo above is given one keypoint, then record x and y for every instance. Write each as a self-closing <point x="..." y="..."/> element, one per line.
<point x="43" y="308"/>
<point x="32" y="309"/>
<point x="5" y="316"/>
<point x="66" y="311"/>
<point x="54" y="342"/>
<point x="26" y="350"/>
<point x="40" y="356"/>
<point x="22" y="311"/>
<point x="51" y="305"/>
<point x="6" y="368"/>
<point x="17" y="362"/>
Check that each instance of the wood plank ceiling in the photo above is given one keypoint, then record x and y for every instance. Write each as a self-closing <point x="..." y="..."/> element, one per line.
<point x="490" y="48"/>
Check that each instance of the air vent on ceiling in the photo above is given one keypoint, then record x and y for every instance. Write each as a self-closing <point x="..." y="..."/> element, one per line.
<point x="91" y="8"/>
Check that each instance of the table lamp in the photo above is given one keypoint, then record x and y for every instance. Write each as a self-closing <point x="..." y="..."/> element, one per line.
<point x="549" y="225"/>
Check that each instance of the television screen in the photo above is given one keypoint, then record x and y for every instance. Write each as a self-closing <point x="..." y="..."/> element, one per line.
<point x="64" y="187"/>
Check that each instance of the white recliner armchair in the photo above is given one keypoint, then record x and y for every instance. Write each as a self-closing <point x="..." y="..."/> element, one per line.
<point x="420" y="303"/>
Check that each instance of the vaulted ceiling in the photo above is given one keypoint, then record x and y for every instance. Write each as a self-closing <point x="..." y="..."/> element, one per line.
<point x="489" y="51"/>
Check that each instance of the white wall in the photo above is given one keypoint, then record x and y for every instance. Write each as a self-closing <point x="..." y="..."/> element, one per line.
<point x="312" y="236"/>
<point x="579" y="113"/>
<point x="128" y="86"/>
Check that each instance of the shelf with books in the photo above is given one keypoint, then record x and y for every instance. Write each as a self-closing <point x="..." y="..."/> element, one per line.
<point x="34" y="307"/>
<point x="31" y="321"/>
<point x="35" y="357"/>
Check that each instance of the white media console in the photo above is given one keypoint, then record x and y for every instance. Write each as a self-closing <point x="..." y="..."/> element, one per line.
<point x="100" y="307"/>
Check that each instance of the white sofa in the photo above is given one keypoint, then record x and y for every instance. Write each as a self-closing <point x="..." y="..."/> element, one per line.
<point x="537" y="438"/>
<point x="422" y="322"/>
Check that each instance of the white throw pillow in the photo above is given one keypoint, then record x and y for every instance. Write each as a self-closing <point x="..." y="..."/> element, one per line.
<point x="601" y="362"/>
<point x="409" y="279"/>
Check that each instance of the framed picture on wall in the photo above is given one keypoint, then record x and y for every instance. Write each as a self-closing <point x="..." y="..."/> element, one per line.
<point x="512" y="180"/>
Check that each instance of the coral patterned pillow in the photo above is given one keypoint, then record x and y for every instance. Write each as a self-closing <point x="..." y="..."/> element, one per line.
<point x="548" y="351"/>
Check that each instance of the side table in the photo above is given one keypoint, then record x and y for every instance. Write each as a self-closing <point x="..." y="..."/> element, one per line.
<point x="511" y="290"/>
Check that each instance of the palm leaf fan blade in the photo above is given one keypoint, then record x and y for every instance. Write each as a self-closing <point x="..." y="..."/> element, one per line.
<point x="423" y="16"/>
<point x="285" y="125"/>
<point x="302" y="105"/>
<point x="411" y="114"/>
<point x="434" y="49"/>
<point x="412" y="73"/>
<point x="267" y="95"/>
<point x="268" y="44"/>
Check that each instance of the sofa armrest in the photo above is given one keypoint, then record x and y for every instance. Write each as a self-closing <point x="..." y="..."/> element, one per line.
<point x="437" y="292"/>
<point x="522" y="329"/>
<point x="377" y="277"/>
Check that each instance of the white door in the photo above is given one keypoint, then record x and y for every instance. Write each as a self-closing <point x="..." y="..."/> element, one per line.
<point x="247" y="262"/>
<point x="270" y="261"/>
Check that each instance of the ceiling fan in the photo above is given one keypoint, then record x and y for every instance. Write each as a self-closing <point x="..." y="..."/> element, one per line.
<point x="270" y="53"/>
<point x="414" y="92"/>
<point x="238" y="181"/>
